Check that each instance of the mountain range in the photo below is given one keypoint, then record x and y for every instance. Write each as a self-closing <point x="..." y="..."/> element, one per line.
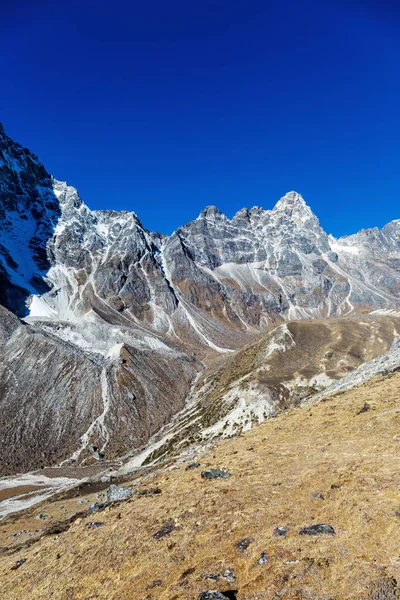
<point x="109" y="331"/>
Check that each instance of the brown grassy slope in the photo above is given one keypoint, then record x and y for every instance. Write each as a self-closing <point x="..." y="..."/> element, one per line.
<point x="332" y="346"/>
<point x="351" y="459"/>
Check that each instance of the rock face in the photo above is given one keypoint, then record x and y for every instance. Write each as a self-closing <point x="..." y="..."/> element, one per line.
<point x="115" y="315"/>
<point x="29" y="211"/>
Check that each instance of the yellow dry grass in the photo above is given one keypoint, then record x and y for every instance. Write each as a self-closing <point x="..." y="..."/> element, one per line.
<point x="351" y="459"/>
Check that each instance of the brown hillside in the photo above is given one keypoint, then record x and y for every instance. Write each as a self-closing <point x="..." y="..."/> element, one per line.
<point x="329" y="464"/>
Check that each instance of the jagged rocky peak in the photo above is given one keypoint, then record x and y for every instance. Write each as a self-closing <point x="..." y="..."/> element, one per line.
<point x="244" y="214"/>
<point x="96" y="259"/>
<point x="293" y="205"/>
<point x="291" y="199"/>
<point x="211" y="212"/>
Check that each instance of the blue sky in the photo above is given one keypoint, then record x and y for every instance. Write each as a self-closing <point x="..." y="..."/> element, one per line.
<point x="164" y="107"/>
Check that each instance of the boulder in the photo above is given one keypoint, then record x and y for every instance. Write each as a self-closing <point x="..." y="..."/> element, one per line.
<point x="116" y="493"/>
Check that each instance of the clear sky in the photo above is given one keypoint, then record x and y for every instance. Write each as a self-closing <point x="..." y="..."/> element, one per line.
<point x="166" y="106"/>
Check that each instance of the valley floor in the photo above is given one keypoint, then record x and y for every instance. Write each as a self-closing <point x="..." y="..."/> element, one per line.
<point x="327" y="463"/>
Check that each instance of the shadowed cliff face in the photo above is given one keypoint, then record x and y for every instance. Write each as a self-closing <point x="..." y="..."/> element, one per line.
<point x="116" y="317"/>
<point x="29" y="211"/>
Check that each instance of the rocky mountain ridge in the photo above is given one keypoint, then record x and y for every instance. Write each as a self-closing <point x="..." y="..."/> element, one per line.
<point x="118" y="320"/>
<point x="213" y="278"/>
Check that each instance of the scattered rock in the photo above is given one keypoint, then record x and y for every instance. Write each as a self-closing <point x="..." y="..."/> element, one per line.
<point x="155" y="583"/>
<point x="116" y="493"/>
<point x="319" y="529"/>
<point x="188" y="572"/>
<point x="167" y="528"/>
<point x="364" y="409"/>
<point x="42" y="516"/>
<point x="57" y="528"/>
<point x="94" y="525"/>
<point x="335" y="486"/>
<point x="17" y="565"/>
<point x="317" y="496"/>
<point x="216" y="474"/>
<point x="98" y="456"/>
<point x="214" y="576"/>
<point x="192" y="467"/>
<point x="262" y="560"/>
<point x="105" y="479"/>
<point x="15" y="535"/>
<point x="320" y="563"/>
<point x="213" y="595"/>
<point x="94" y="508"/>
<point x="229" y="576"/>
<point x="282" y="531"/>
<point x="148" y="492"/>
<point x="244" y="544"/>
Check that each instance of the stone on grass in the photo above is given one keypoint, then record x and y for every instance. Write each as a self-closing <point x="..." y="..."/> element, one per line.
<point x="212" y="595"/>
<point x="263" y="559"/>
<point x="96" y="507"/>
<point x="17" y="564"/>
<point x="192" y="467"/>
<point x="148" y="492"/>
<point x="229" y="576"/>
<point x="116" y="493"/>
<point x="94" y="525"/>
<point x="244" y="544"/>
<point x="215" y="474"/>
<point x="364" y="409"/>
<point x="167" y="528"/>
<point x="319" y="529"/>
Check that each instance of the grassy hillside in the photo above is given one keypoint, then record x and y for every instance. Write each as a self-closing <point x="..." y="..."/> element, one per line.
<point x="332" y="463"/>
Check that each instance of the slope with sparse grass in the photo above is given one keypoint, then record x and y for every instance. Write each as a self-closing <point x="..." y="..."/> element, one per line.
<point x="334" y="463"/>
